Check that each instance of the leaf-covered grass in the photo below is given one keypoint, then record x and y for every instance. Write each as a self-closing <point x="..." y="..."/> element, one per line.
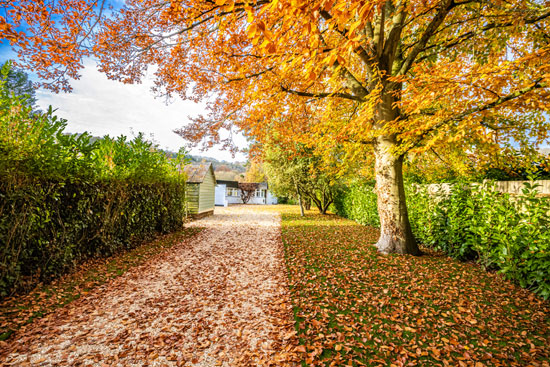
<point x="354" y="306"/>
<point x="20" y="310"/>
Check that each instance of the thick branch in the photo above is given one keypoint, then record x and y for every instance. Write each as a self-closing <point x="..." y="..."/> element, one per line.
<point x="353" y="83"/>
<point x="442" y="13"/>
<point x="394" y="35"/>
<point x="323" y="94"/>
<point x="360" y="51"/>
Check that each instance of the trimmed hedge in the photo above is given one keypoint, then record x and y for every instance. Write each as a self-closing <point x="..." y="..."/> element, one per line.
<point x="46" y="227"/>
<point x="358" y="202"/>
<point x="473" y="222"/>
<point x="65" y="197"/>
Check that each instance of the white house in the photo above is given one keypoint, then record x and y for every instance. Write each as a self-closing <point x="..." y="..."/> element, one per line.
<point x="228" y="192"/>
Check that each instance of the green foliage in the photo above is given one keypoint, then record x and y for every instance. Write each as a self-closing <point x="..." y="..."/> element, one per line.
<point x="64" y="198"/>
<point x="358" y="202"/>
<point x="17" y="82"/>
<point x="467" y="222"/>
<point x="441" y="223"/>
<point x="298" y="173"/>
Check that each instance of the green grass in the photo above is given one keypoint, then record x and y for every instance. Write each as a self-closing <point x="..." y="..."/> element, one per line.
<point x="354" y="306"/>
<point x="23" y="309"/>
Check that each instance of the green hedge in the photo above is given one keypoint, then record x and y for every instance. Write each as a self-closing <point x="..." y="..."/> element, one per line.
<point x="499" y="231"/>
<point x="46" y="227"/>
<point x="358" y="202"/>
<point x="65" y="197"/>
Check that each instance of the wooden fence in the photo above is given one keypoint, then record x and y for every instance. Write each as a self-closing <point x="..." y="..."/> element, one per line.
<point x="510" y="187"/>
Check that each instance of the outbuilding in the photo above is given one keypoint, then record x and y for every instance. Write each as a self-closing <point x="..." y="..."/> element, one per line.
<point x="201" y="183"/>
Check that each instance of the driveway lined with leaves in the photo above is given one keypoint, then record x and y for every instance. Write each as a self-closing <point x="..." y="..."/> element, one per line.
<point x="220" y="300"/>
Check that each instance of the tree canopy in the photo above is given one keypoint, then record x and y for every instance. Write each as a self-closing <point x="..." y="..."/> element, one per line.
<point x="300" y="175"/>
<point x="17" y="83"/>
<point x="360" y="76"/>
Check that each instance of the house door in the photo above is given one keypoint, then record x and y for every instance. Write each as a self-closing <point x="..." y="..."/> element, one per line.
<point x="220" y="195"/>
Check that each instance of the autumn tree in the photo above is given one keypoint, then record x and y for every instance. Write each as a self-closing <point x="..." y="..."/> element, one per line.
<point x="247" y="190"/>
<point x="254" y="172"/>
<point x="300" y="175"/>
<point x="394" y="75"/>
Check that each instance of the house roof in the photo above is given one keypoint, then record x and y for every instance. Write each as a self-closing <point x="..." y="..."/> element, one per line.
<point x="228" y="183"/>
<point x="197" y="172"/>
<point x="235" y="184"/>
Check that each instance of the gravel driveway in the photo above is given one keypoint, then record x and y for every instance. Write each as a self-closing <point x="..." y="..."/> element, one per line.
<point x="219" y="300"/>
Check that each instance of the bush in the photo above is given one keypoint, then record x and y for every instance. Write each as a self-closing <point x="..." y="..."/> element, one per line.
<point x="473" y="222"/>
<point x="358" y="202"/>
<point x="64" y="198"/>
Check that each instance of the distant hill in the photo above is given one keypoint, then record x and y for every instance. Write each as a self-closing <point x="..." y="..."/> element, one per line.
<point x="224" y="170"/>
<point x="235" y="166"/>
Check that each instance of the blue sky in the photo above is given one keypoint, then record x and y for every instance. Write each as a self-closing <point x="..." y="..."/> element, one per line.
<point x="105" y="107"/>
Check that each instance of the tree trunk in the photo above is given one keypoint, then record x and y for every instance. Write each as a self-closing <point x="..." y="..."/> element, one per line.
<point x="395" y="229"/>
<point x="300" y="201"/>
<point x="326" y="206"/>
<point x="307" y="204"/>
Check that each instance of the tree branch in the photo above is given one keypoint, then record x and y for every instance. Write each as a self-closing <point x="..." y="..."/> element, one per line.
<point x="468" y="35"/>
<point x="497" y="102"/>
<point x="250" y="76"/>
<point x="436" y="21"/>
<point x="360" y="51"/>
<point x="323" y="94"/>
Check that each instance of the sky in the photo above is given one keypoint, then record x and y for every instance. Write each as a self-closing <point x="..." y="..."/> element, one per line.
<point x="105" y="107"/>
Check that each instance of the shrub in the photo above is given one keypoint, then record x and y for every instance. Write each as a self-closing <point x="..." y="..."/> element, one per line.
<point x="65" y="198"/>
<point x="358" y="202"/>
<point x="500" y="231"/>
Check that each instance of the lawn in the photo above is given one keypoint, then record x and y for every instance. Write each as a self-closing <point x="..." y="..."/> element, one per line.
<point x="354" y="306"/>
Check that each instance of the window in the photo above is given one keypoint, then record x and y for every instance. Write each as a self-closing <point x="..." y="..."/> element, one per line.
<point x="231" y="191"/>
<point x="259" y="193"/>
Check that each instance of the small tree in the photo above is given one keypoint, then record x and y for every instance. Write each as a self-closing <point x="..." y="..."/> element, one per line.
<point x="299" y="174"/>
<point x="17" y="82"/>
<point x="247" y="190"/>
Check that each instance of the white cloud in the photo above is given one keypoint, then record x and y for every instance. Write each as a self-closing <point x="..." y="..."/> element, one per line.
<point x="105" y="107"/>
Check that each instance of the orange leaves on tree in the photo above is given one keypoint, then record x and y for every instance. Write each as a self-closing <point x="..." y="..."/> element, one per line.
<point x="415" y="75"/>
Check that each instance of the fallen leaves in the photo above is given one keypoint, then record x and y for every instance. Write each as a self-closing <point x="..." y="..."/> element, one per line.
<point x="358" y="307"/>
<point x="22" y="309"/>
<point x="220" y="301"/>
<point x="214" y="301"/>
